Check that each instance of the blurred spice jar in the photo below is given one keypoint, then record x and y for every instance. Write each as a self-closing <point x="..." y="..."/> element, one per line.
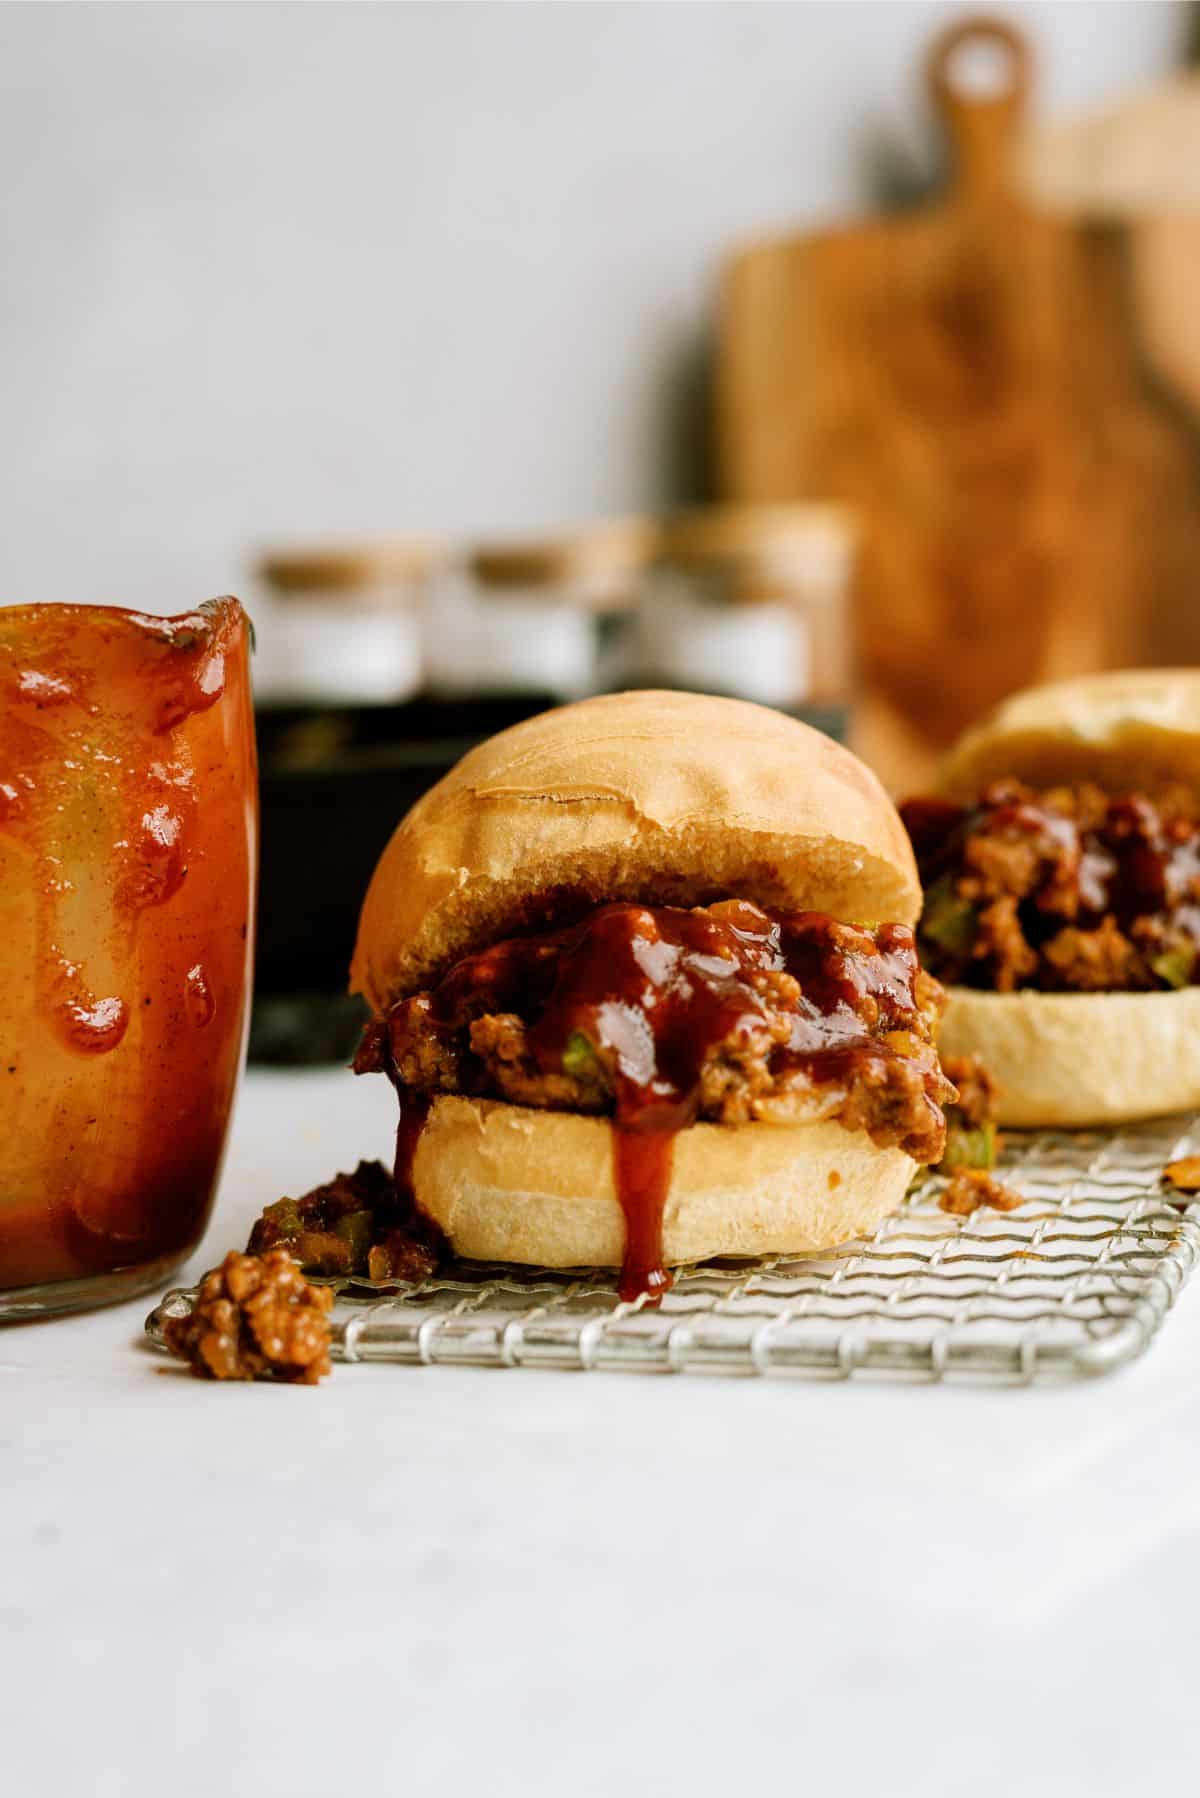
<point x="345" y="621"/>
<point x="751" y="601"/>
<point x="546" y="615"/>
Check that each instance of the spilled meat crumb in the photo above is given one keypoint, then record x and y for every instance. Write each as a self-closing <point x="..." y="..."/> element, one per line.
<point x="970" y="1188"/>
<point x="1184" y="1175"/>
<point x="255" y="1318"/>
<point x="354" y="1224"/>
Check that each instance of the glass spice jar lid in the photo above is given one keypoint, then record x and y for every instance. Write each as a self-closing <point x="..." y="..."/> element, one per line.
<point x="597" y="567"/>
<point x="382" y="571"/>
<point x="344" y="623"/>
<point x="753" y="600"/>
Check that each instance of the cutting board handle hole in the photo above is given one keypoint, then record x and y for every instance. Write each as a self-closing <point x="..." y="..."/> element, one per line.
<point x="978" y="72"/>
<point x="976" y="61"/>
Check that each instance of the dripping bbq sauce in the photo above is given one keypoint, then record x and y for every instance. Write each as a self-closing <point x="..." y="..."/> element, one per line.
<point x="655" y="990"/>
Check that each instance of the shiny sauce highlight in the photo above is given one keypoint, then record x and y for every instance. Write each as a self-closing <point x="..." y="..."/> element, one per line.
<point x="655" y="990"/>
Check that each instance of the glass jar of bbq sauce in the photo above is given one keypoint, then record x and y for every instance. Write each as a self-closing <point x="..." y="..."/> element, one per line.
<point x="128" y="842"/>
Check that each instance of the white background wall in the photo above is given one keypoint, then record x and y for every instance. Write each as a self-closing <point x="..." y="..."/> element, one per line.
<point x="279" y="269"/>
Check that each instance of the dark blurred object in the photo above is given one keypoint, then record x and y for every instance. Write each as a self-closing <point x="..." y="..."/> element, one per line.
<point x="345" y="621"/>
<point x="971" y="378"/>
<point x="300" y="1030"/>
<point x="335" y="783"/>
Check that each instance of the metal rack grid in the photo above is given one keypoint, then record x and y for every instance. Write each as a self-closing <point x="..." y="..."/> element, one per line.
<point x="1074" y="1282"/>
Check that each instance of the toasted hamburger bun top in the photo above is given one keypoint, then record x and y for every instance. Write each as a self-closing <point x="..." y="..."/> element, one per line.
<point x="1138" y="730"/>
<point x="658" y="797"/>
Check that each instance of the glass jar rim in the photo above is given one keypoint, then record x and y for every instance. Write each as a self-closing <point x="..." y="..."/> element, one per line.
<point x="179" y="628"/>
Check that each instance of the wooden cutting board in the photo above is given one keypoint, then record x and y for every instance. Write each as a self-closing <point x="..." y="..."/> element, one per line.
<point x="970" y="378"/>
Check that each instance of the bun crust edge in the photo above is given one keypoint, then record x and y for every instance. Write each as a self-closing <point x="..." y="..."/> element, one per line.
<point x="507" y="1183"/>
<point x="1138" y="729"/>
<point x="659" y="798"/>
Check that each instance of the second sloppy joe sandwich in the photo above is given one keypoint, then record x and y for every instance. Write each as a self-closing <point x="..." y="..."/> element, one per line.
<point x="1061" y="862"/>
<point x="644" y="980"/>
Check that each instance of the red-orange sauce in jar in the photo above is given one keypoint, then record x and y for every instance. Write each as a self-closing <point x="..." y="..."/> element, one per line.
<point x="128" y="830"/>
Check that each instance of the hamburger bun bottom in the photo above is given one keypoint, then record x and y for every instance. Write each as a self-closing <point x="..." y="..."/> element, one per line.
<point x="509" y="1183"/>
<point x="1068" y="1059"/>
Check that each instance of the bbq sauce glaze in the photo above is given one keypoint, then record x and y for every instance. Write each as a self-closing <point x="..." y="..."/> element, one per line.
<point x="1137" y="862"/>
<point x="654" y="990"/>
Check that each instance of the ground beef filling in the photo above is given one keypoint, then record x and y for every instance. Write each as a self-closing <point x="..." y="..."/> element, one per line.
<point x="255" y="1318"/>
<point x="355" y="1225"/>
<point x="1062" y="891"/>
<point x="661" y="1016"/>
<point x="971" y="1137"/>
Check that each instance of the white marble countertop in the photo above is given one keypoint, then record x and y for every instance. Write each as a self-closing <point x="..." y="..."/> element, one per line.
<point x="517" y="1582"/>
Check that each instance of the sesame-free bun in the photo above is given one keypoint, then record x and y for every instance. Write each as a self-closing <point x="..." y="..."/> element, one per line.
<point x="1062" y="1059"/>
<point x="507" y="1183"/>
<point x="658" y="797"/>
<point x="1066" y="1059"/>
<point x="1138" y="730"/>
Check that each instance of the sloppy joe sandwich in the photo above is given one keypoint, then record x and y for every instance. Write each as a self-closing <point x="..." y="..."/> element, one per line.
<point x="643" y="976"/>
<point x="1061" y="865"/>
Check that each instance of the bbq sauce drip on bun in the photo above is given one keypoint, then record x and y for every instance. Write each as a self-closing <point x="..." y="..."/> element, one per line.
<point x="1061" y="859"/>
<point x="643" y="976"/>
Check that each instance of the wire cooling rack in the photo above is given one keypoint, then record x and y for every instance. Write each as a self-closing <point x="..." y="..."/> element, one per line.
<point x="1075" y="1281"/>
